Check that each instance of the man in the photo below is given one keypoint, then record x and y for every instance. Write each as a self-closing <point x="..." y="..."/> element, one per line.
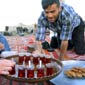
<point x="5" y="65"/>
<point x="63" y="20"/>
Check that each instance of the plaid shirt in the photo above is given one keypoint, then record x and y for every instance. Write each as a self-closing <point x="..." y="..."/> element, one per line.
<point x="64" y="25"/>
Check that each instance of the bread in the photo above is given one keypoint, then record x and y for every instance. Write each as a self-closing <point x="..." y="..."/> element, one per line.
<point x="75" y="72"/>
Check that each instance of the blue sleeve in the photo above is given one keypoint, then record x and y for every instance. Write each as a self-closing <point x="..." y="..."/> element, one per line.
<point x="5" y="42"/>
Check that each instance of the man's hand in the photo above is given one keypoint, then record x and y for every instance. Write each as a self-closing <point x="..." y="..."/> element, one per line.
<point x="65" y="57"/>
<point x="6" y="66"/>
<point x="63" y="48"/>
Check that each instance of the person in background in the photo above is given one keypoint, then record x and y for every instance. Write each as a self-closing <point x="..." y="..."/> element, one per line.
<point x="63" y="20"/>
<point x="6" y="66"/>
<point x="4" y="46"/>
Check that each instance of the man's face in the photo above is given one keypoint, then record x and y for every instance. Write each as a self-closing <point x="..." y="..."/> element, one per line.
<point x="52" y="12"/>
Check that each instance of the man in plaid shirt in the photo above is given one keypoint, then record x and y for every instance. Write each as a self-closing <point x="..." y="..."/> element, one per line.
<point x="63" y="20"/>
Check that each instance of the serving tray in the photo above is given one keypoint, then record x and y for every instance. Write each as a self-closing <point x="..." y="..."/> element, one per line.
<point x="57" y="70"/>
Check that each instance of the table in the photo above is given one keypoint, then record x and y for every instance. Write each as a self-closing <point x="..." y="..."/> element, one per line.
<point x="61" y="79"/>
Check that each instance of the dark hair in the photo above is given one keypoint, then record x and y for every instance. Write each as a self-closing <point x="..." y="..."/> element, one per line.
<point x="46" y="3"/>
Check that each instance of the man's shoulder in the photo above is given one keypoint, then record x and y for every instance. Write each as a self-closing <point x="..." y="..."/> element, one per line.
<point x="68" y="10"/>
<point x="42" y="16"/>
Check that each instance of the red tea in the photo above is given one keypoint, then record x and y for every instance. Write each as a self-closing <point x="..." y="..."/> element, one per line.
<point x="48" y="60"/>
<point x="21" y="71"/>
<point x="40" y="72"/>
<point x="13" y="71"/>
<point x="35" y="60"/>
<point x="43" y="59"/>
<point x="27" y="57"/>
<point x="21" y="59"/>
<point x="30" y="73"/>
<point x="49" y="71"/>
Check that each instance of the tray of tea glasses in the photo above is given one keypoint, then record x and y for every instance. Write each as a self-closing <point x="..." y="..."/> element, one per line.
<point x="31" y="68"/>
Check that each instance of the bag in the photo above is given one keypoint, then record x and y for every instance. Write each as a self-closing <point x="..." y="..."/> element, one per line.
<point x="54" y="42"/>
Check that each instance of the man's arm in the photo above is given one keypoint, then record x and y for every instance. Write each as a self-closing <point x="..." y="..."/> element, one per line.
<point x="63" y="48"/>
<point x="39" y="46"/>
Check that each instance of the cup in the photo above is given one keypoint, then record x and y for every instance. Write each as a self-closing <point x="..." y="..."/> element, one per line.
<point x="35" y="59"/>
<point x="27" y="57"/>
<point x="43" y="59"/>
<point x="21" y="58"/>
<point x="30" y="71"/>
<point x="13" y="71"/>
<point x="40" y="70"/>
<point x="49" y="69"/>
<point x="48" y="59"/>
<point x="21" y="71"/>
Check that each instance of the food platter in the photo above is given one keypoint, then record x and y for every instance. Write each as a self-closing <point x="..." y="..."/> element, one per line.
<point x="57" y="68"/>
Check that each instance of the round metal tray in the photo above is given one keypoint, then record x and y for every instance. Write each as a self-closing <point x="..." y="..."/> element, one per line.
<point x="58" y="68"/>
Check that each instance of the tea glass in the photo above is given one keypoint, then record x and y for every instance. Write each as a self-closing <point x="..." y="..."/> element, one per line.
<point x="48" y="58"/>
<point x="30" y="71"/>
<point x="40" y="71"/>
<point x="21" y="71"/>
<point x="21" y="58"/>
<point x="27" y="57"/>
<point x="49" y="69"/>
<point x="35" y="59"/>
<point x="13" y="71"/>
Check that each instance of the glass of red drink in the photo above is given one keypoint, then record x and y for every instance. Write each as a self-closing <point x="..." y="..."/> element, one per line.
<point x="49" y="69"/>
<point x="30" y="71"/>
<point x="21" y="71"/>
<point x="35" y="59"/>
<point x="21" y="58"/>
<point x="48" y="59"/>
<point x="27" y="57"/>
<point x="40" y="69"/>
<point x="13" y="71"/>
<point x="43" y="59"/>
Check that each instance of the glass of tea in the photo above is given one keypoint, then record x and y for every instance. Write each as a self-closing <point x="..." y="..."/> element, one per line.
<point x="49" y="69"/>
<point x="30" y="71"/>
<point x="40" y="69"/>
<point x="48" y="58"/>
<point x="42" y="58"/>
<point x="13" y="71"/>
<point x="21" y="58"/>
<point x="35" y="59"/>
<point x="21" y="71"/>
<point x="27" y="57"/>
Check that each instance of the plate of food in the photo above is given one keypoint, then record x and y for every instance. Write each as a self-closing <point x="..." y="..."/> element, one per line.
<point x="75" y="72"/>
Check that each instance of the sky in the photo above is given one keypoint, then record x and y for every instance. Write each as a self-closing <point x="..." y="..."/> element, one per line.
<point x="13" y="12"/>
